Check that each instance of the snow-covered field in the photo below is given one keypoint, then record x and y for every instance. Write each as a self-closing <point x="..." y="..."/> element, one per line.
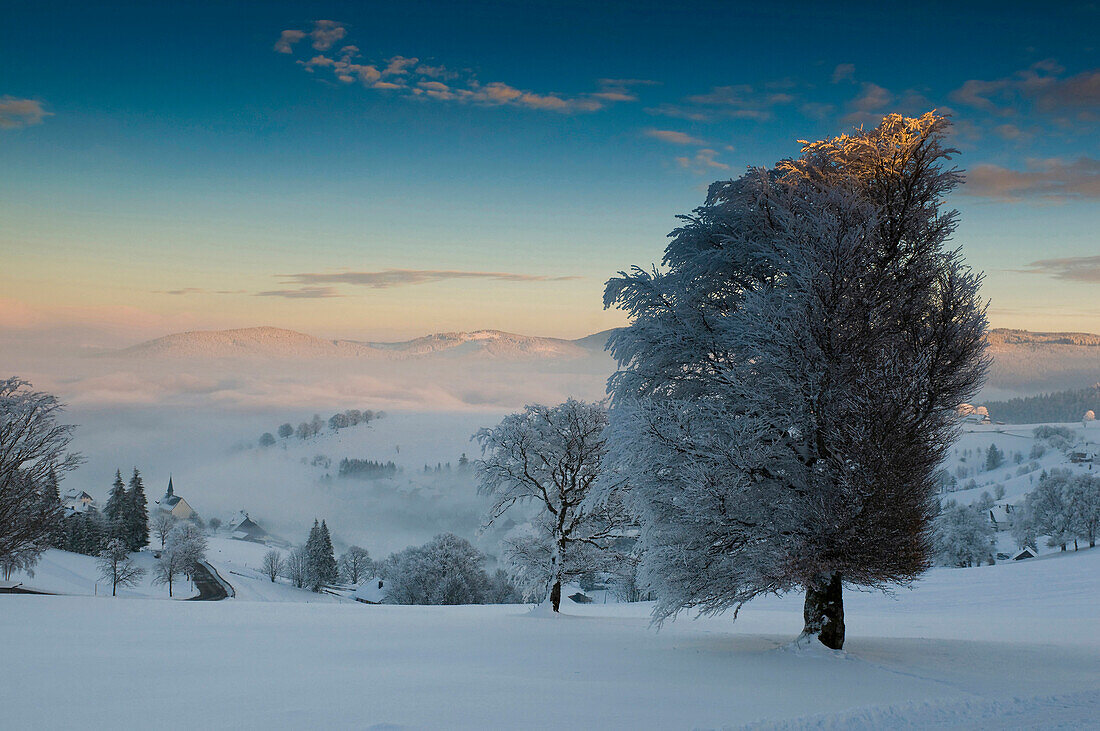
<point x="1015" y="645"/>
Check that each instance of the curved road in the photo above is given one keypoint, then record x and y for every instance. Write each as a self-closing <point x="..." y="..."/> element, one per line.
<point x="210" y="589"/>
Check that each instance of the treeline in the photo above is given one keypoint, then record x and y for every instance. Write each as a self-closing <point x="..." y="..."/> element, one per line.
<point x="313" y="427"/>
<point x="125" y="517"/>
<point x="366" y="469"/>
<point x="1059" y="407"/>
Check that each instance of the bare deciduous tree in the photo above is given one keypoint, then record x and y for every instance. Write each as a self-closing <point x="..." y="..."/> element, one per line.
<point x="550" y="457"/>
<point x="273" y="564"/>
<point x="354" y="565"/>
<point x="33" y="453"/>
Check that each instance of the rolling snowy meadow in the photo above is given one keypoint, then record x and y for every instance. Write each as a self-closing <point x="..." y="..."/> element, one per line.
<point x="1008" y="646"/>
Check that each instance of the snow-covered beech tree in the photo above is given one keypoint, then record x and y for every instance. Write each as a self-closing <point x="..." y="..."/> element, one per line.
<point x="1083" y="501"/>
<point x="963" y="535"/>
<point x="162" y="524"/>
<point x="33" y="455"/>
<point x="446" y="570"/>
<point x="549" y="457"/>
<point x="273" y="565"/>
<point x="174" y="560"/>
<point x="188" y="543"/>
<point x="116" y="566"/>
<point x="789" y="378"/>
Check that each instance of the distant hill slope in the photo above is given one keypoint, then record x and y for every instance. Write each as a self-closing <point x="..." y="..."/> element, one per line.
<point x="273" y="342"/>
<point x="1024" y="363"/>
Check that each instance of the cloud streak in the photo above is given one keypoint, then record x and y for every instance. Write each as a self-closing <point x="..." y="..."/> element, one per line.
<point x="407" y="76"/>
<point x="1073" y="268"/>
<point x="1050" y="179"/>
<point x="388" y="278"/>
<point x="702" y="163"/>
<point x="306" y="293"/>
<point x="15" y="112"/>
<point x="1042" y="86"/>
<point x="673" y="137"/>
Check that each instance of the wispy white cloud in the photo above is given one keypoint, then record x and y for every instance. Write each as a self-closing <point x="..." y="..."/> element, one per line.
<point x="310" y="293"/>
<point x="16" y="112"/>
<point x="844" y="72"/>
<point x="702" y="162"/>
<point x="387" y="278"/>
<point x="672" y="136"/>
<point x="739" y="101"/>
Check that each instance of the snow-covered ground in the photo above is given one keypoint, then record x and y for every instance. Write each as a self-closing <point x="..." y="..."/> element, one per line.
<point x="61" y="572"/>
<point x="1015" y="645"/>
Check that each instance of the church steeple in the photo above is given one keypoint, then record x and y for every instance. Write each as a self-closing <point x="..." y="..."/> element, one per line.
<point x="170" y="491"/>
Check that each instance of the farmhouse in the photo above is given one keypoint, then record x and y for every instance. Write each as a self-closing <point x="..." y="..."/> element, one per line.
<point x="246" y="529"/>
<point x="78" y="501"/>
<point x="174" y="504"/>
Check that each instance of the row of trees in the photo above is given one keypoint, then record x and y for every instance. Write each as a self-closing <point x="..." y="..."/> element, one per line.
<point x="445" y="570"/>
<point x="313" y="427"/>
<point x="1060" y="407"/>
<point x="184" y="547"/>
<point x="313" y="565"/>
<point x="1064" y="506"/>
<point x="127" y="512"/>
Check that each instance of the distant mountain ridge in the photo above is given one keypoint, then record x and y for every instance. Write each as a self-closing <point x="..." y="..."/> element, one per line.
<point x="274" y="342"/>
<point x="1024" y="363"/>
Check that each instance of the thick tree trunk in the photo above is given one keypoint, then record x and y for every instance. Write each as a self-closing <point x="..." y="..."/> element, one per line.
<point x="824" y="612"/>
<point x="555" y="595"/>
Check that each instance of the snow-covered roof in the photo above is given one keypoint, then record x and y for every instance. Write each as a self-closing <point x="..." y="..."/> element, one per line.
<point x="369" y="591"/>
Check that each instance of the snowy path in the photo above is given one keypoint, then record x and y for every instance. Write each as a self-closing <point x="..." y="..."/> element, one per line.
<point x="1014" y="646"/>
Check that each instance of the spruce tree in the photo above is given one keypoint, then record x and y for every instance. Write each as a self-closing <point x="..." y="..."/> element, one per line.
<point x="51" y="498"/>
<point x="329" y="570"/>
<point x="314" y="549"/>
<point x="115" y="509"/>
<point x="994" y="458"/>
<point x="136" y="521"/>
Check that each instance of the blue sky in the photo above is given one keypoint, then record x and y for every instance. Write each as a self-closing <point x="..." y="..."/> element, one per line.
<point x="385" y="170"/>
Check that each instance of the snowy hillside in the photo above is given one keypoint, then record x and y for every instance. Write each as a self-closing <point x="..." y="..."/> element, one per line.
<point x="1026" y="363"/>
<point x="1009" y="646"/>
<point x="61" y="572"/>
<point x="1026" y="458"/>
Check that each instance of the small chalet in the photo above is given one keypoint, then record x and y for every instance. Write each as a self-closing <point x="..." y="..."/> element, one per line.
<point x="1024" y="553"/>
<point x="174" y="504"/>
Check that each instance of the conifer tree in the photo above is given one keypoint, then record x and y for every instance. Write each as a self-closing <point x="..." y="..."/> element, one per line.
<point x="52" y="508"/>
<point x="115" y="509"/>
<point x="136" y="520"/>
<point x="330" y="572"/>
<point x="994" y="458"/>
<point x="313" y="553"/>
